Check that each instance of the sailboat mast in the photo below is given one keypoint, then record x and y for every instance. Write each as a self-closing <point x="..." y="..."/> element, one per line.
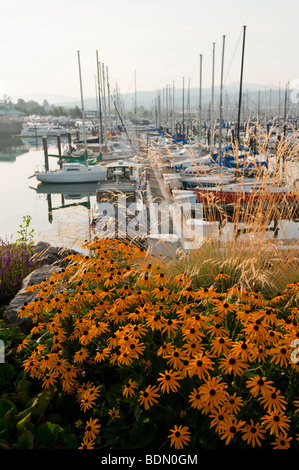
<point x="100" y="102"/>
<point x="241" y="83"/>
<point x="82" y="105"/>
<point x="221" y="105"/>
<point x="200" y="99"/>
<point x="212" y="97"/>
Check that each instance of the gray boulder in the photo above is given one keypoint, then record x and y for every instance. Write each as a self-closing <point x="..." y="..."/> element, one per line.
<point x="36" y="277"/>
<point x="45" y="253"/>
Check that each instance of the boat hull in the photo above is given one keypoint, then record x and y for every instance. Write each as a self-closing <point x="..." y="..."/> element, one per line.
<point x="243" y="197"/>
<point x="84" y="175"/>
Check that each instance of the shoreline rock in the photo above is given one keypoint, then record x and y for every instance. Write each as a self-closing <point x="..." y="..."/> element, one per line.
<point x="50" y="258"/>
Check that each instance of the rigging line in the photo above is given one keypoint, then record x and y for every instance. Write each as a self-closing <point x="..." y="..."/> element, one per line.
<point x="233" y="57"/>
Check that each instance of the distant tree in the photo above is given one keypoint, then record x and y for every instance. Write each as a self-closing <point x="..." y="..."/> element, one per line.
<point x="33" y="107"/>
<point x="20" y="106"/>
<point x="46" y="106"/>
<point x="75" y="112"/>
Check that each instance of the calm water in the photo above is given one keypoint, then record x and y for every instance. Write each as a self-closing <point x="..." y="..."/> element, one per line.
<point x="59" y="216"/>
<point x="52" y="214"/>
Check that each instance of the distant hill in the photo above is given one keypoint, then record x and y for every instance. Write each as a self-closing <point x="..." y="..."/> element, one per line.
<point x="256" y="94"/>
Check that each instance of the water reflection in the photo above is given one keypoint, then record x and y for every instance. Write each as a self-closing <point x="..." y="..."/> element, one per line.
<point x="37" y="142"/>
<point x="70" y="192"/>
<point x="11" y="148"/>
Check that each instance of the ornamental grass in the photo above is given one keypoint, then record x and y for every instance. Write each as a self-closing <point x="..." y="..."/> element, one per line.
<point x="121" y="356"/>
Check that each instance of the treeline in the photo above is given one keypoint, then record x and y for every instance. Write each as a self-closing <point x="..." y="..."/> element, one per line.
<point x="33" y="107"/>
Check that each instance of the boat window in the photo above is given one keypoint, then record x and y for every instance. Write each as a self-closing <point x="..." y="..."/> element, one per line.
<point x="72" y="169"/>
<point x="126" y="172"/>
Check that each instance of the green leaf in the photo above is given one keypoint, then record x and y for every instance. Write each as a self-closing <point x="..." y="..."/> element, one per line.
<point x="69" y="441"/>
<point x="5" y="406"/>
<point x="25" y="440"/>
<point x="142" y="434"/>
<point x="137" y="411"/>
<point x="47" y="434"/>
<point x="42" y="402"/>
<point x="3" y="425"/>
<point x="25" y="418"/>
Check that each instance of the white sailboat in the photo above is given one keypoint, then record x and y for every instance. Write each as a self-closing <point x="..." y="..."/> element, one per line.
<point x="75" y="172"/>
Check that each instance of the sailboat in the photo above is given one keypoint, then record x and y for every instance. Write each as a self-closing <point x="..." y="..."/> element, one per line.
<point x="71" y="173"/>
<point x="75" y="172"/>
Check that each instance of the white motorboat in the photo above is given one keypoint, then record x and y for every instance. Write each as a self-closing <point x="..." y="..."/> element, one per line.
<point x="39" y="130"/>
<point x="73" y="173"/>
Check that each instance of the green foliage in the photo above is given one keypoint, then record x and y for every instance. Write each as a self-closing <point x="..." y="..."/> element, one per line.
<point x="25" y="233"/>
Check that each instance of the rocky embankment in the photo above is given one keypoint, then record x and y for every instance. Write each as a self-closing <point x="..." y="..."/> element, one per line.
<point x="50" y="259"/>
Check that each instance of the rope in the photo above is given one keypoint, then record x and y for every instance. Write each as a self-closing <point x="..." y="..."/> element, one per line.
<point x="233" y="57"/>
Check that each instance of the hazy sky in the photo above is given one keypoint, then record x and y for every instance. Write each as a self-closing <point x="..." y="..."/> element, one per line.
<point x="159" y="39"/>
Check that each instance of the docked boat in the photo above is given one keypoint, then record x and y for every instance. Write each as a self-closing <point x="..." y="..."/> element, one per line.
<point x="71" y="173"/>
<point x="124" y="186"/>
<point x="40" y="130"/>
<point x="195" y="182"/>
<point x="247" y="191"/>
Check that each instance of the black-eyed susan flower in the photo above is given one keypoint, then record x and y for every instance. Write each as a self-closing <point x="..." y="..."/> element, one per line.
<point x="148" y="397"/>
<point x="221" y="345"/>
<point x="88" y="389"/>
<point x="169" y="381"/>
<point x="167" y="349"/>
<point x="221" y="275"/>
<point x="205" y="293"/>
<point x="217" y="329"/>
<point x="86" y="402"/>
<point x="276" y="422"/>
<point x="49" y="380"/>
<point x="145" y="281"/>
<point x="161" y="279"/>
<point x="81" y="355"/>
<point x="179" y="436"/>
<point x="155" y="321"/>
<point x="32" y="366"/>
<point x="195" y="399"/>
<point x="218" y="416"/>
<point x="245" y="350"/>
<point x="213" y="392"/>
<point x="181" y="280"/>
<point x="192" y="332"/>
<point x="171" y="327"/>
<point x="135" y="348"/>
<point x="232" y="364"/>
<point x="92" y="428"/>
<point x="273" y="401"/>
<point x="129" y="389"/>
<point x="87" y="444"/>
<point x="223" y="307"/>
<point x="137" y="330"/>
<point x="261" y="354"/>
<point x="282" y="441"/>
<point x="230" y="428"/>
<point x="47" y="362"/>
<point x="114" y="413"/>
<point x="176" y="357"/>
<point x="191" y="348"/>
<point x="253" y="433"/>
<point x="258" y="384"/>
<point x="233" y="403"/>
<point x="60" y="365"/>
<point x="160" y="292"/>
<point x="200" y="365"/>
<point x="281" y="355"/>
<point x="102" y="354"/>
